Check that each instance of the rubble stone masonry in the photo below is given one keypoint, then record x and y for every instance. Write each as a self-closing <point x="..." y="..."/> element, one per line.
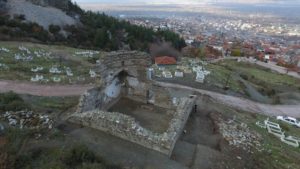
<point x="127" y="128"/>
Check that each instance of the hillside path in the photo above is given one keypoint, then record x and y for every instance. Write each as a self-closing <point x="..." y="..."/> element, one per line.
<point x="76" y="90"/>
<point x="42" y="90"/>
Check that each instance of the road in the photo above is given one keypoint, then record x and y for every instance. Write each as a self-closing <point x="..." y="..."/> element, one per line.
<point x="42" y="90"/>
<point x="269" y="65"/>
<point x="242" y="103"/>
<point x="76" y="90"/>
<point x="279" y="69"/>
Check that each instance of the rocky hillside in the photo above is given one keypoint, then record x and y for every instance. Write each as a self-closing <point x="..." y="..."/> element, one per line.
<point x="61" y="4"/>
<point x="46" y="21"/>
<point x="42" y="15"/>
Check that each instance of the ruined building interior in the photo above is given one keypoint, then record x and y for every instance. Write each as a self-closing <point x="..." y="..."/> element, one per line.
<point x="132" y="107"/>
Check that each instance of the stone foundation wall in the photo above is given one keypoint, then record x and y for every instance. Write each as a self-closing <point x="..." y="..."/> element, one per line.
<point x="127" y="128"/>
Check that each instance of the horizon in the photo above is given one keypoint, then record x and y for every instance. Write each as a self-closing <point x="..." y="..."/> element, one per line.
<point x="169" y="2"/>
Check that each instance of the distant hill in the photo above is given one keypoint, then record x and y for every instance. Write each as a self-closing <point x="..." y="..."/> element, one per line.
<point x="63" y="22"/>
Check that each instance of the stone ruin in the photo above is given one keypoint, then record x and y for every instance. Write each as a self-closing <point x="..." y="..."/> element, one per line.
<point x="124" y="76"/>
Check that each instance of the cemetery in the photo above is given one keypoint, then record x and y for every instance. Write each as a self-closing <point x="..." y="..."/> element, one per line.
<point x="42" y="64"/>
<point x="185" y="69"/>
<point x="275" y="129"/>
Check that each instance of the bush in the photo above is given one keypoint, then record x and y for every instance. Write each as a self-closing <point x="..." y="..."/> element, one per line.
<point x="22" y="161"/>
<point x="82" y="158"/>
<point x="19" y="17"/>
<point x="245" y="77"/>
<point x="285" y="127"/>
<point x="54" y="29"/>
<point x="79" y="155"/>
<point x="12" y="102"/>
<point x="271" y="92"/>
<point x="276" y="100"/>
<point x="93" y="60"/>
<point x="236" y="52"/>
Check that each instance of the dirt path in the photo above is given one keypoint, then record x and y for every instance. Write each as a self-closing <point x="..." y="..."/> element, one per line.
<point x="243" y="104"/>
<point x="42" y="90"/>
<point x="76" y="90"/>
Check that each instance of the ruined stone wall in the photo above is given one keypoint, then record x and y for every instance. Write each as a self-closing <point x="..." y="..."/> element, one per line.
<point x="90" y="100"/>
<point x="91" y="110"/>
<point x="99" y="98"/>
<point x="134" y="63"/>
<point x="127" y="128"/>
<point x="103" y="97"/>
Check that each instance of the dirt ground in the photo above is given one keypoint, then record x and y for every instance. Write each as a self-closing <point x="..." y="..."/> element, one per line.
<point x="151" y="117"/>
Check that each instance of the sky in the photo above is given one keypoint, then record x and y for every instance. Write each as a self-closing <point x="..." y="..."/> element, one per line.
<point x="162" y="1"/>
<point x="138" y="1"/>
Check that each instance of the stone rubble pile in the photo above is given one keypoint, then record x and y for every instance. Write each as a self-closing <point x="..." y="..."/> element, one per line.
<point x="239" y="135"/>
<point x="27" y="119"/>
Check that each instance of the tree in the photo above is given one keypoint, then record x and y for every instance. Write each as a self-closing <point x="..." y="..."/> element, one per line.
<point x="101" y="38"/>
<point x="236" y="52"/>
<point x="54" y="28"/>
